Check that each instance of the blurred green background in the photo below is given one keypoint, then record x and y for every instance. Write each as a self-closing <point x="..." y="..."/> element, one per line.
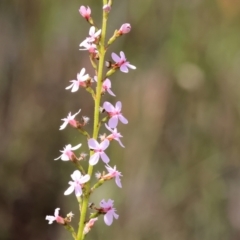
<point x="181" y="164"/>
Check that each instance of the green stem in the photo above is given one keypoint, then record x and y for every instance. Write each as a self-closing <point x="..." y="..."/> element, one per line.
<point x="69" y="228"/>
<point x="97" y="101"/>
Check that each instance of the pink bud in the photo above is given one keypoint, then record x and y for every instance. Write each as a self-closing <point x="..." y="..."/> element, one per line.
<point x="85" y="12"/>
<point x="60" y="220"/>
<point x="89" y="225"/>
<point x="107" y="8"/>
<point x="125" y="28"/>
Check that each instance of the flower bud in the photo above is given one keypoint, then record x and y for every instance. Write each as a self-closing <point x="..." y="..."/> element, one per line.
<point x="85" y="12"/>
<point x="107" y="8"/>
<point x="124" y="29"/>
<point x="89" y="225"/>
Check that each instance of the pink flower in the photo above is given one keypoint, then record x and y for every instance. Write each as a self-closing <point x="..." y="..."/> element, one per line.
<point x="115" y="135"/>
<point x="122" y="62"/>
<point x="107" y="8"/>
<point x="114" y="113"/>
<point x="89" y="225"/>
<point x="81" y="78"/>
<point x="77" y="183"/>
<point x="85" y="12"/>
<point x="93" y="36"/>
<point x="112" y="172"/>
<point x="69" y="120"/>
<point x="107" y="208"/>
<point x="125" y="28"/>
<point x="67" y="153"/>
<point x="90" y="47"/>
<point x="106" y="86"/>
<point x="98" y="151"/>
<point x="56" y="217"/>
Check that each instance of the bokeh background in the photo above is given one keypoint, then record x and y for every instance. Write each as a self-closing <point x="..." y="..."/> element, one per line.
<point x="181" y="164"/>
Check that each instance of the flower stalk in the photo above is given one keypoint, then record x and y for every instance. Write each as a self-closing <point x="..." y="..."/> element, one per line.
<point x="80" y="179"/>
<point x="97" y="101"/>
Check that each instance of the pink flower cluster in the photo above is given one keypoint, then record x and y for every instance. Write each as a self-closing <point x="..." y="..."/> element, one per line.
<point x="114" y="115"/>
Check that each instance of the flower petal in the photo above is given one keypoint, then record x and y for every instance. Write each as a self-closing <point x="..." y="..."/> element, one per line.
<point x="75" y="87"/>
<point x="116" y="216"/>
<point x="116" y="58"/>
<point x="120" y="143"/>
<point x="118" y="106"/>
<point x="70" y="86"/>
<point x="93" y="144"/>
<point x="85" y="179"/>
<point x="104" y="144"/>
<point x="94" y="159"/>
<point x="118" y="181"/>
<point x="69" y="190"/>
<point x="91" y="30"/>
<point x="108" y="218"/>
<point x="96" y="34"/>
<point x="104" y="157"/>
<point x="56" y="212"/>
<point x="63" y="125"/>
<point x="122" y="55"/>
<point x="74" y="115"/>
<point x="51" y="219"/>
<point x="78" y="191"/>
<point x="113" y="122"/>
<point x="123" y="119"/>
<point x="131" y="66"/>
<point x="124" y="68"/>
<point x="65" y="157"/>
<point x="108" y="107"/>
<point x="76" y="147"/>
<point x="57" y="158"/>
<point x="76" y="175"/>
<point x="81" y="73"/>
<point x="103" y="204"/>
<point x="110" y="92"/>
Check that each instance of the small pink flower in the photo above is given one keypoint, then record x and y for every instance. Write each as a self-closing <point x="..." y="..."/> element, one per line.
<point x="81" y="78"/>
<point x="106" y="86"/>
<point x="110" y="212"/>
<point x="89" y="225"/>
<point x="56" y="217"/>
<point x="113" y="173"/>
<point x="77" y="183"/>
<point x="90" y="47"/>
<point x="114" y="113"/>
<point x="122" y="62"/>
<point x="125" y="28"/>
<point x="107" y="8"/>
<point x="69" y="120"/>
<point x="85" y="12"/>
<point x="98" y="149"/>
<point x="115" y="135"/>
<point x="93" y="36"/>
<point x="67" y="153"/>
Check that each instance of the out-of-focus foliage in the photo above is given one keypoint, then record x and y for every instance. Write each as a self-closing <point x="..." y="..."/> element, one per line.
<point x="181" y="164"/>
